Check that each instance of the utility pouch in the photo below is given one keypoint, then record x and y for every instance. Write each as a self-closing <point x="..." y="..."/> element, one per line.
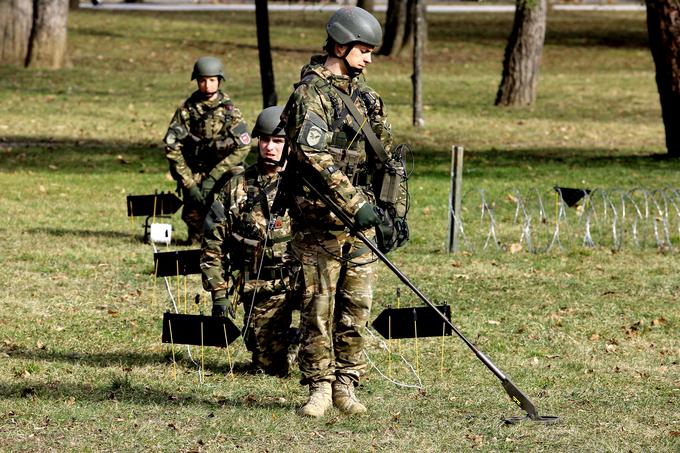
<point x="346" y="160"/>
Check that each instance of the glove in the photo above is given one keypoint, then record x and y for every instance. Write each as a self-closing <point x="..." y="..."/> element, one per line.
<point x="195" y="195"/>
<point x="219" y="307"/>
<point x="207" y="187"/>
<point x="366" y="217"/>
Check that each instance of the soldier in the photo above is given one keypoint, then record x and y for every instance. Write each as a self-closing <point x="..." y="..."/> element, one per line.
<point x="330" y="145"/>
<point x="207" y="138"/>
<point x="244" y="243"/>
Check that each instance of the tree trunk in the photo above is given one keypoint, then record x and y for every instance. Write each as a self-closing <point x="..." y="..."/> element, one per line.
<point x="523" y="54"/>
<point x="33" y="32"/>
<point x="398" y="26"/>
<point x="265" y="54"/>
<point x="368" y="5"/>
<point x="16" y="22"/>
<point x="418" y="38"/>
<point x="47" y="47"/>
<point x="663" y="26"/>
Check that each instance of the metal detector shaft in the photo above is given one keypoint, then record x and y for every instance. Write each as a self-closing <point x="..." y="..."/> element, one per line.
<point x="511" y="389"/>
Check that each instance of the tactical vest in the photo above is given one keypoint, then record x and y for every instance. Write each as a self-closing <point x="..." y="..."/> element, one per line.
<point x="208" y="126"/>
<point x="249" y="236"/>
<point x="347" y="143"/>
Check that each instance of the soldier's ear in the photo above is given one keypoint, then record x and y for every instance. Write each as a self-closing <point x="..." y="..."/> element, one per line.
<point x="339" y="50"/>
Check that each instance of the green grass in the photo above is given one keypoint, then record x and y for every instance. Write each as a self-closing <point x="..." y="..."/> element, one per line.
<point x="589" y="334"/>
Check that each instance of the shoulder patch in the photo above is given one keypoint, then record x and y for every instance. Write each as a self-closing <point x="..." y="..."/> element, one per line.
<point x="240" y="132"/>
<point x="313" y="131"/>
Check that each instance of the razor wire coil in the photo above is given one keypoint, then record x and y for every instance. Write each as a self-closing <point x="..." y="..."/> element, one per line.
<point x="614" y="218"/>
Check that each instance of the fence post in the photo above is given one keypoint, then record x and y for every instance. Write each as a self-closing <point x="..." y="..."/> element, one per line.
<point x="455" y="196"/>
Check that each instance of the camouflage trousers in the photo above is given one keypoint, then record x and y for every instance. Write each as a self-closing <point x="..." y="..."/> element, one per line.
<point x="335" y="307"/>
<point x="193" y="215"/>
<point x="267" y="325"/>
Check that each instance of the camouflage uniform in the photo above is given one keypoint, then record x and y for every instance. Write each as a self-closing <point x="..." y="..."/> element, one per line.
<point x="336" y="266"/>
<point x="235" y="229"/>
<point x="205" y="138"/>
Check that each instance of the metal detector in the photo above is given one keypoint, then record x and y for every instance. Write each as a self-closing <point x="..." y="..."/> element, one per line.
<point x="511" y="389"/>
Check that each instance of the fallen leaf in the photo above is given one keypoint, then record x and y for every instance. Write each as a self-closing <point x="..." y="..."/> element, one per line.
<point x="53" y="167"/>
<point x="40" y="345"/>
<point x="515" y="248"/>
<point x="113" y="313"/>
<point x="173" y="426"/>
<point x="658" y="321"/>
<point x="511" y="198"/>
<point x="493" y="321"/>
<point x="594" y="337"/>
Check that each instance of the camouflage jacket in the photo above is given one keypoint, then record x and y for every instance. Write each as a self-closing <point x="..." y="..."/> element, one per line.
<point x="205" y="137"/>
<point x="324" y="141"/>
<point x="236" y="236"/>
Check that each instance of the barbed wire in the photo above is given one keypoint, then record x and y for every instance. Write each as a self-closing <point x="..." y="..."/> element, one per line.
<point x="614" y="218"/>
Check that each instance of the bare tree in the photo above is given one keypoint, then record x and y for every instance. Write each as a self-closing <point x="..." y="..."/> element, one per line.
<point x="663" y="26"/>
<point x="368" y="5"/>
<point x="523" y="54"/>
<point x="33" y="32"/>
<point x="418" y="39"/>
<point x="265" y="54"/>
<point x="398" y="26"/>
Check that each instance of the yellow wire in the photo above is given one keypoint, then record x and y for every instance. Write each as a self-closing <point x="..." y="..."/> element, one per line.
<point x="389" y="342"/>
<point x="226" y="342"/>
<point x="398" y="305"/>
<point x="155" y="280"/>
<point x="172" y="347"/>
<point x="202" y="353"/>
<point x="185" y="293"/>
<point x="132" y="214"/>
<point x="415" y="331"/>
<point x="441" y="361"/>
<point x="179" y="292"/>
<point x="357" y="134"/>
<point x="153" y="215"/>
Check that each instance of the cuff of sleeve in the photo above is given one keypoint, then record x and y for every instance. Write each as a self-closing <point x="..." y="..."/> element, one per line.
<point x="188" y="183"/>
<point x="355" y="203"/>
<point x="219" y="294"/>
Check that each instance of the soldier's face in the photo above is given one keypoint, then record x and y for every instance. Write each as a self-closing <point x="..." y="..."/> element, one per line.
<point x="208" y="85"/>
<point x="359" y="56"/>
<point x="271" y="148"/>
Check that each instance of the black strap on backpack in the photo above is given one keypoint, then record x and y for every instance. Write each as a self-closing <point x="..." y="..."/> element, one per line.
<point x="373" y="140"/>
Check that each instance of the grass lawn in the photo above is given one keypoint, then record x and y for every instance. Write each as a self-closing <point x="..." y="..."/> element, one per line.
<point x="589" y="334"/>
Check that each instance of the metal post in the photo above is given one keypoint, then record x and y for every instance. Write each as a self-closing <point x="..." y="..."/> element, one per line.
<point x="455" y="196"/>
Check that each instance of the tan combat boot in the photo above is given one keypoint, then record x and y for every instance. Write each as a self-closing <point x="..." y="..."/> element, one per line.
<point x="344" y="398"/>
<point x="319" y="399"/>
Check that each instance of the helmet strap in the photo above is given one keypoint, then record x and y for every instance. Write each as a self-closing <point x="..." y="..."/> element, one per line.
<point x="351" y="72"/>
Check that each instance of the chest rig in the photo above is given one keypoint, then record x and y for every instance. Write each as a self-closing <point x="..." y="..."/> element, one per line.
<point x="255" y="234"/>
<point x="347" y="143"/>
<point x="208" y="124"/>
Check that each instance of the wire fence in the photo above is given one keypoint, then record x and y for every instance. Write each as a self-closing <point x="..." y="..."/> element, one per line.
<point x="564" y="218"/>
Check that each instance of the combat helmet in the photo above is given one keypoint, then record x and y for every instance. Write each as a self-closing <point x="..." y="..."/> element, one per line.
<point x="353" y="24"/>
<point x="208" y="67"/>
<point x="269" y="123"/>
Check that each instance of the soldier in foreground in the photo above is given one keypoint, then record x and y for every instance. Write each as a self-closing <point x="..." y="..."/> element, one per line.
<point x="243" y="241"/>
<point x="207" y="137"/>
<point x="330" y="148"/>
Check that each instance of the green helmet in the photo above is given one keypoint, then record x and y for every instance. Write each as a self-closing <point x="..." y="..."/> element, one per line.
<point x="354" y="24"/>
<point x="269" y="123"/>
<point x="207" y="67"/>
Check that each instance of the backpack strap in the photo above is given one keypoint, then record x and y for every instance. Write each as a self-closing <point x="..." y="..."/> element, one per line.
<point x="373" y="140"/>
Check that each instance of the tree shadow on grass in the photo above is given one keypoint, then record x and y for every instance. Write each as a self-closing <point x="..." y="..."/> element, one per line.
<point x="87" y="156"/>
<point x="128" y="360"/>
<point x="61" y="232"/>
<point x="484" y="163"/>
<point x="124" y="390"/>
